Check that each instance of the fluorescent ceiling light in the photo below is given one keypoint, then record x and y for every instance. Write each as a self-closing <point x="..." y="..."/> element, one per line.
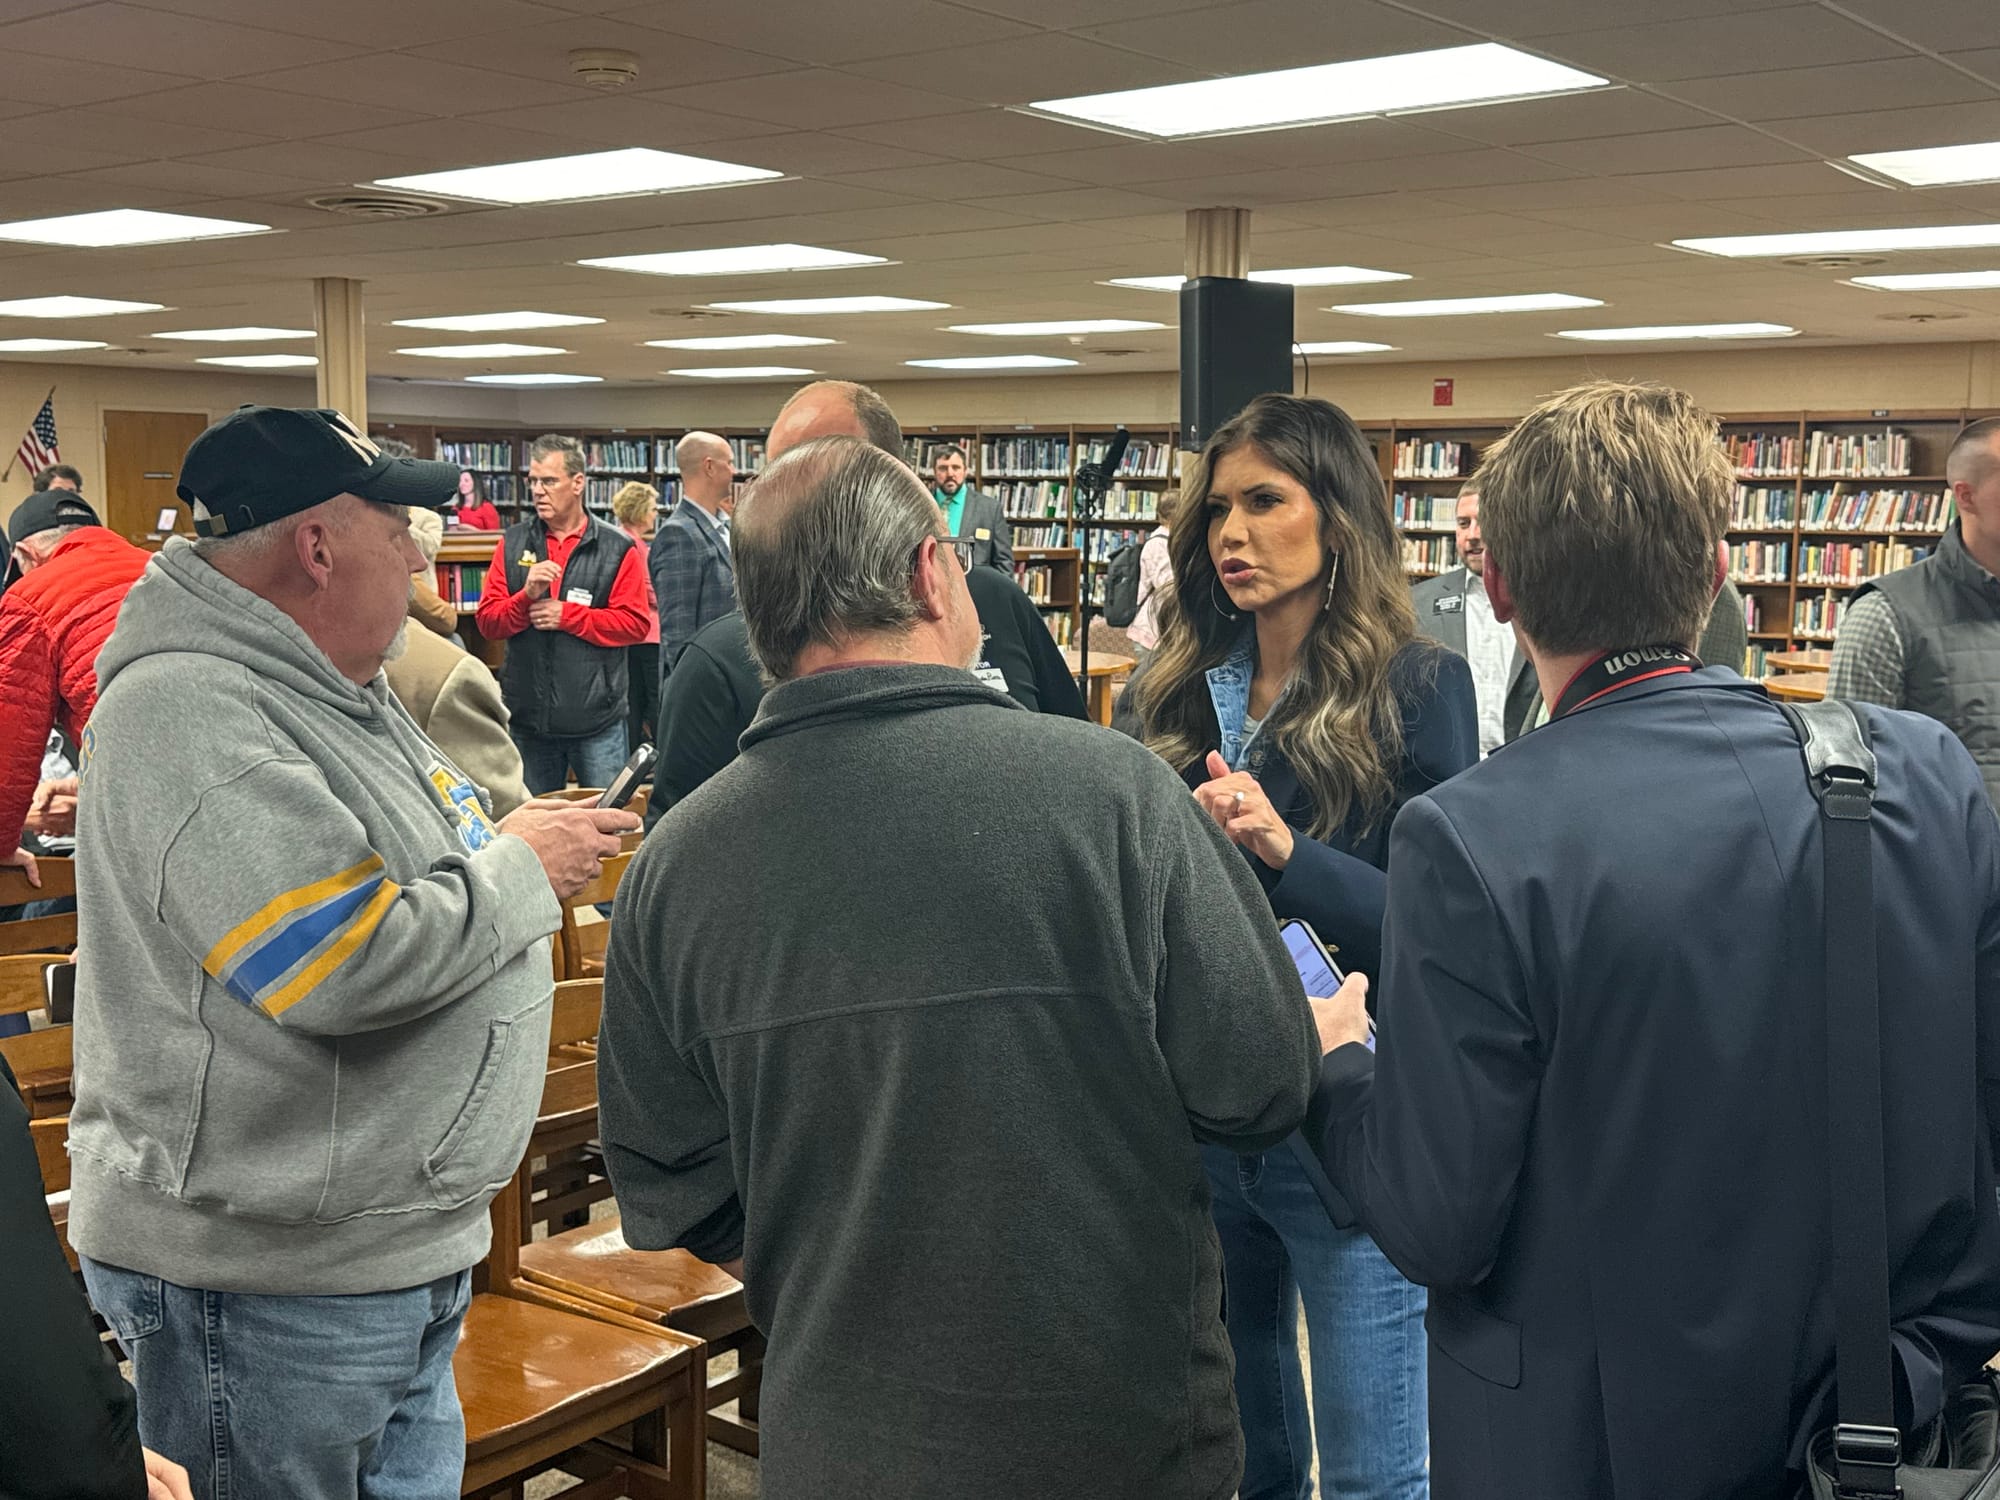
<point x="1848" y="241"/>
<point x="736" y="260"/>
<point x="1345" y="346"/>
<point x="482" y="351"/>
<point x="237" y="335"/>
<point x="742" y="372"/>
<point x="550" y="379"/>
<point x="1072" y="325"/>
<point x="1448" y="307"/>
<point x="794" y="305"/>
<point x="1932" y="281"/>
<point x="626" y="173"/>
<point x="1298" y="276"/>
<point x="1936" y="165"/>
<point x="46" y="346"/>
<point x="73" y="307"/>
<point x="992" y="362"/>
<point x="496" y="322"/>
<point x="741" y="341"/>
<point x="125" y="226"/>
<point x="261" y="361"/>
<point x="1445" y="78"/>
<point x="1665" y="331"/>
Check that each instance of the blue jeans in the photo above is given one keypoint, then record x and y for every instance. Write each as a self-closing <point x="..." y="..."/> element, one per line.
<point x="1364" y="1328"/>
<point x="310" y="1398"/>
<point x="547" y="759"/>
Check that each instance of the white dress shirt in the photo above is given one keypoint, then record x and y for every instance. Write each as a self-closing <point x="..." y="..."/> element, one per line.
<point x="1489" y="646"/>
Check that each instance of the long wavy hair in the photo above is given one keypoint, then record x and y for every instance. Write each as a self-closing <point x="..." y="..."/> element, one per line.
<point x="1338" y="722"/>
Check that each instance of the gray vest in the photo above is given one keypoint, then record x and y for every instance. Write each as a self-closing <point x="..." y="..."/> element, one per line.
<point x="1948" y="613"/>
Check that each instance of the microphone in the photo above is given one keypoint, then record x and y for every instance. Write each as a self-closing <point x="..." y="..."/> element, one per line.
<point x="1096" y="477"/>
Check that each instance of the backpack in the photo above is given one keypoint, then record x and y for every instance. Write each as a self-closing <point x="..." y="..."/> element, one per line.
<point x="1121" y="586"/>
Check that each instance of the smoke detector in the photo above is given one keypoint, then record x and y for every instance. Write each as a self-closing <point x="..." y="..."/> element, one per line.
<point x="1920" y="317"/>
<point x="1832" y="262"/>
<point x="377" y="205"/>
<point x="606" y="68"/>
<point x="689" y="314"/>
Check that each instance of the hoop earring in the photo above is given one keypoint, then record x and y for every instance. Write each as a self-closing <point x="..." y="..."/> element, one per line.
<point x="1221" y="604"/>
<point x="1332" y="579"/>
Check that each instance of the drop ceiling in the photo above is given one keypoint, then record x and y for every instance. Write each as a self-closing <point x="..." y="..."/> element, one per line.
<point x="891" y="120"/>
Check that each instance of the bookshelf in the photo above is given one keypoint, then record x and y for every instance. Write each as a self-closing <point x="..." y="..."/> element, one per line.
<point x="1423" y="467"/>
<point x="463" y="560"/>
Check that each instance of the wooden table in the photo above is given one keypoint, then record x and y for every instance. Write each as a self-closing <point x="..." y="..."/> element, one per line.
<point x="1798" y="661"/>
<point x="1103" y="668"/>
<point x="1802" y="687"/>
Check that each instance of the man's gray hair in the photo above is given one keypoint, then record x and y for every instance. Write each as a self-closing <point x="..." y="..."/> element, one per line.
<point x="825" y="548"/>
<point x="550" y="443"/>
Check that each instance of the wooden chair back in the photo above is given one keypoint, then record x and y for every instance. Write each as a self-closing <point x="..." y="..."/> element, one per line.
<point x="51" y="1139"/>
<point x="21" y="985"/>
<point x="579" y="1011"/>
<point x="58" y="879"/>
<point x="571" y="956"/>
<point x="42" y="1062"/>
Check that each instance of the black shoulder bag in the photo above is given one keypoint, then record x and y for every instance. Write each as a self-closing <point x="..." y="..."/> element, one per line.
<point x="1863" y="1456"/>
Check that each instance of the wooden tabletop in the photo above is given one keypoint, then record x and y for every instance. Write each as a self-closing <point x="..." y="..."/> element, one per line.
<point x="1798" y="661"/>
<point x="1804" y="687"/>
<point x="1102" y="664"/>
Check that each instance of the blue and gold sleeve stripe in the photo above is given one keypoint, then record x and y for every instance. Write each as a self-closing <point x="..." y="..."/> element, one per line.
<point x="277" y="956"/>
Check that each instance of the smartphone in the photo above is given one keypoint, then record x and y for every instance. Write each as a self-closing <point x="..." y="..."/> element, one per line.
<point x="629" y="779"/>
<point x="59" y="988"/>
<point x="1317" y="970"/>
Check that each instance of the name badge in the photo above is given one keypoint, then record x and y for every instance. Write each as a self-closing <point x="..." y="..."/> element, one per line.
<point x="982" y="534"/>
<point x="462" y="805"/>
<point x="1450" y="604"/>
<point x="992" y="676"/>
<point x="578" y="596"/>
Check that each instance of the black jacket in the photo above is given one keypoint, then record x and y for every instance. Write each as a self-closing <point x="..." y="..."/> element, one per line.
<point x="554" y="682"/>
<point x="712" y="694"/>
<point x="68" y="1424"/>
<point x="1595" y="1124"/>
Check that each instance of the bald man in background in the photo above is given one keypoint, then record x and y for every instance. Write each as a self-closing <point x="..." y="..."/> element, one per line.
<point x="689" y="560"/>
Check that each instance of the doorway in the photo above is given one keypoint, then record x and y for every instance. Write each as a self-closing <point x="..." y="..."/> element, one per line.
<point x="142" y="462"/>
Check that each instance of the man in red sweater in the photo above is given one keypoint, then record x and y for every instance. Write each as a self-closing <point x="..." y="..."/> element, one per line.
<point x="568" y="595"/>
<point x="73" y="575"/>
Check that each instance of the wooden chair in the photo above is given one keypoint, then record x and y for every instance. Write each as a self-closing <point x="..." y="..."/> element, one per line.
<point x="573" y="794"/>
<point x="42" y="1062"/>
<point x="550" y="1382"/>
<point x="51" y="1138"/>
<point x="575" y="958"/>
<point x="571" y="1175"/>
<point x="55" y="934"/>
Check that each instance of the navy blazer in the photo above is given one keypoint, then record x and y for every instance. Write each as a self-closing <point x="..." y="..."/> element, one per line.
<point x="694" y="583"/>
<point x="1337" y="884"/>
<point x="1595" y="1125"/>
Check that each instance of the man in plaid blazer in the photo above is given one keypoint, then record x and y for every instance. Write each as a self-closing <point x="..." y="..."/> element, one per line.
<point x="692" y="577"/>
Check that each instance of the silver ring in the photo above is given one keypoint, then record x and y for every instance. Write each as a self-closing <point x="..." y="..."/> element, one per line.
<point x="1239" y="799"/>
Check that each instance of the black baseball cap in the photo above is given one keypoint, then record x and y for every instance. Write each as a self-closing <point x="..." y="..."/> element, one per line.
<point x="262" y="463"/>
<point x="46" y="509"/>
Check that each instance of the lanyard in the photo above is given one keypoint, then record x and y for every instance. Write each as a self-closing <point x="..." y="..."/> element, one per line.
<point x="1617" y="669"/>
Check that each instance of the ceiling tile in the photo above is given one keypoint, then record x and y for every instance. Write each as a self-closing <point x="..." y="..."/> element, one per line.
<point x="128" y="36"/>
<point x="814" y="154"/>
<point x="1892" y="129"/>
<point x="1529" y="197"/>
<point x="1257" y="35"/>
<point x="542" y="51"/>
<point x="120" y="135"/>
<point x="810" y="31"/>
<point x="1321" y="147"/>
<point x="188" y="179"/>
<point x="1744" y="41"/>
<point x="1985" y="63"/>
<point x="85" y="192"/>
<point x="1536" y="18"/>
<point x="256" y="111"/>
<point x="333" y="165"/>
<point x="1073" y="13"/>
<point x="1568" y="117"/>
<point x="1886" y="83"/>
<point x="1138" y="162"/>
<point x="960" y="180"/>
<point x="980" y="135"/>
<point x="1669" y="150"/>
<point x="1784" y="181"/>
<point x="393" y="80"/>
<point x="1941" y="25"/>
<point x="1021" y="71"/>
<point x="21" y="158"/>
<point x="632" y="120"/>
<point x="818" y="99"/>
<point x="72" y="82"/>
<point x="1079" y="203"/>
<point x="401" y="23"/>
<point x="439" y="145"/>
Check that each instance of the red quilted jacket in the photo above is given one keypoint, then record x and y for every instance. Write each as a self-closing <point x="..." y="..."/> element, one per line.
<point x="52" y="625"/>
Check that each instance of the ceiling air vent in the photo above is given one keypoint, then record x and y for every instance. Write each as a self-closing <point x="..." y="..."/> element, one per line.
<point x="1832" y="262"/>
<point x="1117" y="353"/>
<point x="377" y="205"/>
<point x="689" y="314"/>
<point x="1920" y="317"/>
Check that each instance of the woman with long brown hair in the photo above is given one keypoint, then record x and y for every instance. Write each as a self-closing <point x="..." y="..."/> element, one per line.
<point x="1292" y="692"/>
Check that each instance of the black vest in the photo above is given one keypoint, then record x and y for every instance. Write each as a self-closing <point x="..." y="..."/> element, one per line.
<point x="553" y="682"/>
<point x="1948" y="613"/>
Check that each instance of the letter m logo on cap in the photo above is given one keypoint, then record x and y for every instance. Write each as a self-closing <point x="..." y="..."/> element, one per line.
<point x="359" y="441"/>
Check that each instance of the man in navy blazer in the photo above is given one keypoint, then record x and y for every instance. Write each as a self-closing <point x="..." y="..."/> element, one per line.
<point x="1595" y="1126"/>
<point x="693" y="580"/>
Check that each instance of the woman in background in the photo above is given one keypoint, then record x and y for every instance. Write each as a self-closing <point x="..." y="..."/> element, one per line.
<point x="1156" y="576"/>
<point x="1291" y="691"/>
<point x="474" y="509"/>
<point x="635" y="507"/>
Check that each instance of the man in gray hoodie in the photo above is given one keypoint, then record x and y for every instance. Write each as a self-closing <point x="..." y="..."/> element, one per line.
<point x="914" y="1016"/>
<point x="312" y="1006"/>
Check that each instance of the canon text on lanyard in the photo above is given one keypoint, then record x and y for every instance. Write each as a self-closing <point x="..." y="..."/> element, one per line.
<point x="1617" y="669"/>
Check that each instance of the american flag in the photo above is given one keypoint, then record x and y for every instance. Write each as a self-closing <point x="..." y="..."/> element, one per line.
<point x="38" y="449"/>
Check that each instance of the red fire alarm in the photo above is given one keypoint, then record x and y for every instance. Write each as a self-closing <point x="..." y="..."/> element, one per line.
<point x="1440" y="393"/>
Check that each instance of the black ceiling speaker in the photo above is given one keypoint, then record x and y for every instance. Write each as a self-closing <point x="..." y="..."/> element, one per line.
<point x="1236" y="344"/>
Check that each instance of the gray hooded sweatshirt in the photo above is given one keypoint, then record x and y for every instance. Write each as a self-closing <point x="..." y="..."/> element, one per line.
<point x="312" y="1006"/>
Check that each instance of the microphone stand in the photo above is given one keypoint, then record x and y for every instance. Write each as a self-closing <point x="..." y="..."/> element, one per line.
<point x="1086" y="505"/>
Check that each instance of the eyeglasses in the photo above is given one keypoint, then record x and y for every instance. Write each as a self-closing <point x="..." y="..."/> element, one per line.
<point x="962" y="546"/>
<point x="536" y="482"/>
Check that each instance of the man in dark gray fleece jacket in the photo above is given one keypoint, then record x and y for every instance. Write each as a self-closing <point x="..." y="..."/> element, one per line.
<point x="914" y="1017"/>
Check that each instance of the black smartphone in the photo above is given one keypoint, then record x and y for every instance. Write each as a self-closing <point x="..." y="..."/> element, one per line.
<point x="1317" y="971"/>
<point x="59" y="988"/>
<point x="630" y="778"/>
